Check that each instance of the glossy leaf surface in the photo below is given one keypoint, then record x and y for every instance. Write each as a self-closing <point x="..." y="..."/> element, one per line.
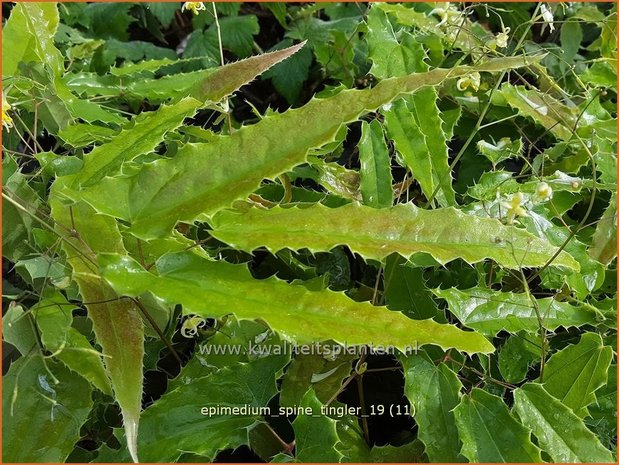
<point x="559" y="431"/>
<point x="213" y="289"/>
<point x="491" y="311"/>
<point x="445" y="234"/>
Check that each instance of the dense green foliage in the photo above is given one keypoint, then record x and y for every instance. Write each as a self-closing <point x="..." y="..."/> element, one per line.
<point x="422" y="194"/>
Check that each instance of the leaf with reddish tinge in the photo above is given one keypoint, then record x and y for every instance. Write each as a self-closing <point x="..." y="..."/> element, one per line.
<point x="203" y="178"/>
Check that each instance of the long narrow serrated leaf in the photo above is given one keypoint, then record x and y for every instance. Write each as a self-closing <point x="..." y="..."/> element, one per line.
<point x="543" y="109"/>
<point x="211" y="84"/>
<point x="144" y="65"/>
<point x="434" y="391"/>
<point x="573" y="374"/>
<point x="117" y="322"/>
<point x="213" y="289"/>
<point x="375" y="171"/>
<point x="142" y="137"/>
<point x="491" y="311"/>
<point x="227" y="79"/>
<point x="414" y="123"/>
<point x="489" y="432"/>
<point x="446" y="233"/>
<point x="558" y="430"/>
<point x="180" y="189"/>
<point x="417" y="132"/>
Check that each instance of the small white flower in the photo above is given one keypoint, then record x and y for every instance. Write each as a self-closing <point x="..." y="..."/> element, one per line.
<point x="502" y="38"/>
<point x="472" y="80"/>
<point x="543" y="192"/>
<point x="547" y="17"/>
<point x="191" y="326"/>
<point x="515" y="207"/>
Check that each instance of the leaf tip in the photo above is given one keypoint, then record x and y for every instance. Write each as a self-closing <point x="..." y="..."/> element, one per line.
<point x="131" y="432"/>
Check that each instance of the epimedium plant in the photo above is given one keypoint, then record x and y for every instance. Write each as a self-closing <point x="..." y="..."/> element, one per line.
<point x="450" y="188"/>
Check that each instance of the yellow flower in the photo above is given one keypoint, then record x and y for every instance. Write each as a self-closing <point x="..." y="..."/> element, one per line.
<point x="195" y="7"/>
<point x="472" y="80"/>
<point x="7" y="121"/>
<point x="191" y="326"/>
<point x="515" y="207"/>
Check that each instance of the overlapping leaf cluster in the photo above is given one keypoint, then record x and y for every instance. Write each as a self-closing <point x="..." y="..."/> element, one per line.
<point x="449" y="189"/>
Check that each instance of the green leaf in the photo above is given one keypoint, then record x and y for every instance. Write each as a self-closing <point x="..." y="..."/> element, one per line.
<point x="198" y="285"/>
<point x="29" y="36"/>
<point x="175" y="423"/>
<point x="108" y="20"/>
<point x="117" y="322"/>
<point x="142" y="137"/>
<point x="204" y="46"/>
<point x="571" y="37"/>
<point x="164" y="11"/>
<point x="414" y="124"/>
<point x="58" y="165"/>
<point x="543" y="109"/>
<point x="516" y="356"/>
<point x="390" y="57"/>
<point x="375" y="168"/>
<point x="16" y="223"/>
<point x="54" y="318"/>
<point x="210" y="85"/>
<point x="406" y="290"/>
<point x="604" y="242"/>
<point x="255" y="339"/>
<point x="237" y="33"/>
<point x="145" y="65"/>
<point x="504" y="149"/>
<point x="434" y="391"/>
<point x="133" y="50"/>
<point x="315" y="434"/>
<point x="288" y="77"/>
<point x="491" y="311"/>
<point x="573" y="374"/>
<point x="602" y="418"/>
<point x="43" y="409"/>
<point x="82" y="134"/>
<point x="161" y="202"/>
<point x="320" y="372"/>
<point x="445" y="234"/>
<point x="601" y="74"/>
<point x="278" y="9"/>
<point x="17" y="330"/>
<point x="411" y="452"/>
<point x="489" y="433"/>
<point x="591" y="273"/>
<point x="558" y="430"/>
<point x="417" y="131"/>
